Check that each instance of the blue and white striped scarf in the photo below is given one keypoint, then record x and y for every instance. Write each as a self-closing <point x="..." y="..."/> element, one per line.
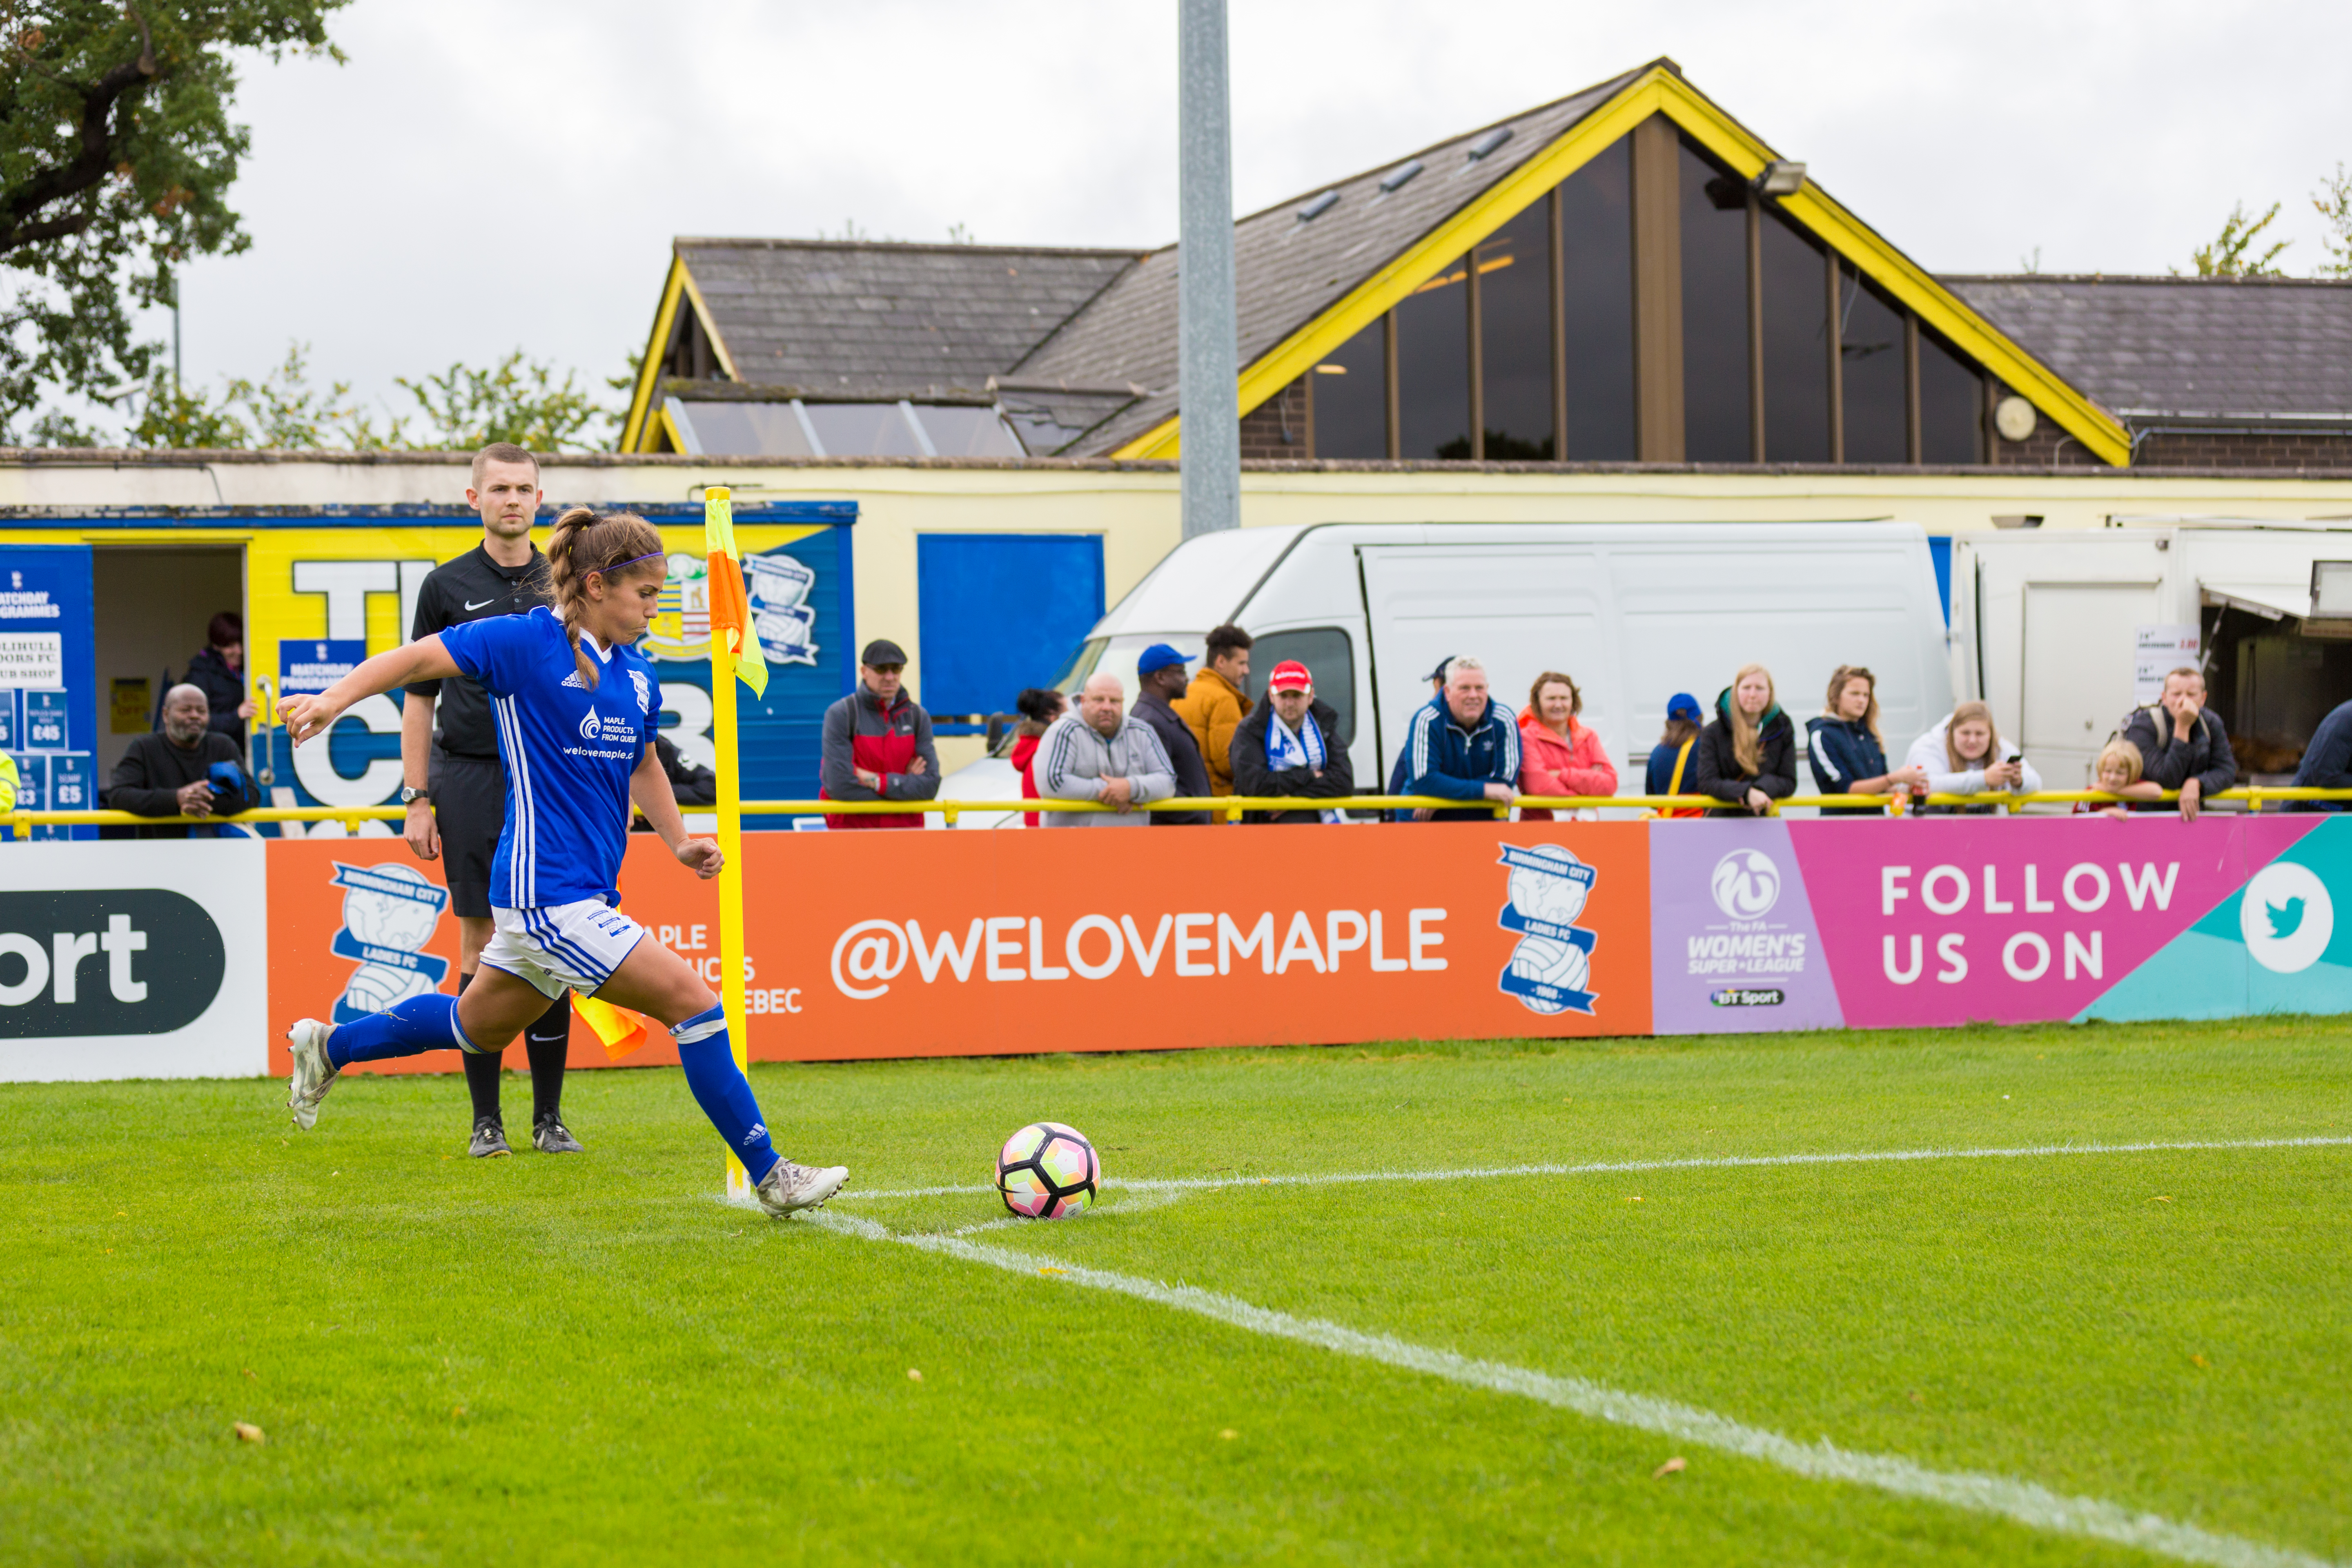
<point x="1285" y="748"/>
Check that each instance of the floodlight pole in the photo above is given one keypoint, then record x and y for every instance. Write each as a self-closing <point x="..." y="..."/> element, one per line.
<point x="1208" y="400"/>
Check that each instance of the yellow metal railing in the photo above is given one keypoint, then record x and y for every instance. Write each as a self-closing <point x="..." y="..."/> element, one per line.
<point x="1229" y="806"/>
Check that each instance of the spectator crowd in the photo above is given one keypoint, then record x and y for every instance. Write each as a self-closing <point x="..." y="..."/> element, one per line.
<point x="1201" y="735"/>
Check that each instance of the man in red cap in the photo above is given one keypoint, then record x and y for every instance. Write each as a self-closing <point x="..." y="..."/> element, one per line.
<point x="1292" y="745"/>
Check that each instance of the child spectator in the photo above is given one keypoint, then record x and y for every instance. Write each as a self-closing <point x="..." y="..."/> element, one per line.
<point x="1558" y="755"/>
<point x="1747" y="756"/>
<point x="1965" y="755"/>
<point x="1038" y="707"/>
<point x="1848" y="754"/>
<point x="1669" y="771"/>
<point x="2118" y="775"/>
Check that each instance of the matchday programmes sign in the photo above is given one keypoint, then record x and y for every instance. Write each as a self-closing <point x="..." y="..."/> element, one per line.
<point x="155" y="959"/>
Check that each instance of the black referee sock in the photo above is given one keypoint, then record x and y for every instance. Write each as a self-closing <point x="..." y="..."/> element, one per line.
<point x="482" y="1070"/>
<point x="547" y="1040"/>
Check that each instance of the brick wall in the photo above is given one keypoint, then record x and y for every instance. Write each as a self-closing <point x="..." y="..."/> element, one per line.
<point x="1262" y="428"/>
<point x="2259" y="449"/>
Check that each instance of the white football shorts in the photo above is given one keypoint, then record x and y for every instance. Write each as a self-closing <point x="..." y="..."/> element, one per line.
<point x="557" y="947"/>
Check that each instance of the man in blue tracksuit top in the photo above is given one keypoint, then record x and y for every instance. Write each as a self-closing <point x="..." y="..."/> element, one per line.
<point x="1462" y="745"/>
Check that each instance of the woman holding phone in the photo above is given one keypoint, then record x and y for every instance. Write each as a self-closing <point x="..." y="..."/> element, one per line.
<point x="1965" y="754"/>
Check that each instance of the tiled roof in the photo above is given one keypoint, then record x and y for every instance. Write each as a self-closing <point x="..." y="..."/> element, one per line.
<point x="1286" y="271"/>
<point x="829" y="316"/>
<point x="2151" y="347"/>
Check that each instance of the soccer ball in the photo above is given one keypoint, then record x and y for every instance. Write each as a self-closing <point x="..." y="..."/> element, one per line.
<point x="1047" y="1171"/>
<point x="1550" y="963"/>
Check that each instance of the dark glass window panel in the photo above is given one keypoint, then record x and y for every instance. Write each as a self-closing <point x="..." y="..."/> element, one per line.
<point x="743" y="429"/>
<point x="1351" y="396"/>
<point x="1596" y="249"/>
<point x="1951" y="405"/>
<point x="1329" y="658"/>
<point x="966" y="431"/>
<point x="1515" y="337"/>
<point x="1796" y="345"/>
<point x="1714" y="312"/>
<point x="1433" y="329"/>
<point x="863" y="430"/>
<point x="1871" y="343"/>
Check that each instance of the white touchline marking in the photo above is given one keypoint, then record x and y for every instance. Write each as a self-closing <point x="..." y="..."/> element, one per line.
<point x="1607" y="1167"/>
<point x="2021" y="1501"/>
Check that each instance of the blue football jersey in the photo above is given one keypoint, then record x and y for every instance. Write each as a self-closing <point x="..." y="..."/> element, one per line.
<point x="568" y="753"/>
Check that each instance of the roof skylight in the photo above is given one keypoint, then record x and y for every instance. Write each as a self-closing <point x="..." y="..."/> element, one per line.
<point x="1396" y="178"/>
<point x="1318" y="206"/>
<point x="1489" y="142"/>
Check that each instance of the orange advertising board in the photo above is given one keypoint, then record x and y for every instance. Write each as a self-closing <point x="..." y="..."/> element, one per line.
<point x="937" y="943"/>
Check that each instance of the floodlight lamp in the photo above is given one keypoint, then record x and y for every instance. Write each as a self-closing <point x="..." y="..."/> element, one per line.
<point x="1780" y="177"/>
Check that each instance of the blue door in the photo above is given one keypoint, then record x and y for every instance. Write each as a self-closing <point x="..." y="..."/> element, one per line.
<point x="1000" y="612"/>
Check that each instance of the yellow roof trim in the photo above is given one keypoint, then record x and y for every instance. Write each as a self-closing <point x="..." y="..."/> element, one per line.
<point x="634" y="430"/>
<point x="1661" y="91"/>
<point x="671" y="433"/>
<point x="637" y="431"/>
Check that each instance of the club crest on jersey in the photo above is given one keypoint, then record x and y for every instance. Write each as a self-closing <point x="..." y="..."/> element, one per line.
<point x="645" y="691"/>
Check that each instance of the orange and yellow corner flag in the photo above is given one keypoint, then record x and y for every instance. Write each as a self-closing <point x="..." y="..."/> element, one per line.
<point x="730" y="610"/>
<point x="619" y="1030"/>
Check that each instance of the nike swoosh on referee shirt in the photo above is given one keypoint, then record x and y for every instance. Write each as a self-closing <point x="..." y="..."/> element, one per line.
<point x="492" y="600"/>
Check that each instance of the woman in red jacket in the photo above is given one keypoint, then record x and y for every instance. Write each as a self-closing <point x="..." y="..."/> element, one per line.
<point x="1038" y="707"/>
<point x="1558" y="755"/>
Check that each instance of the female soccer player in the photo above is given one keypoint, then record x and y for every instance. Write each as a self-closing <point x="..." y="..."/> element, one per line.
<point x="576" y="707"/>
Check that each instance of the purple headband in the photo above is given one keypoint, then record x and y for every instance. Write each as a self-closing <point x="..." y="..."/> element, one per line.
<point x="616" y="566"/>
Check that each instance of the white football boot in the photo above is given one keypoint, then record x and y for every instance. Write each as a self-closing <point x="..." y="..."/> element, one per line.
<point x="313" y="1073"/>
<point x="788" y="1188"/>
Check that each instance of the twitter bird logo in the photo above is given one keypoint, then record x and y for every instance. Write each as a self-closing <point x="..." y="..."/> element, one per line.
<point x="2285" y="918"/>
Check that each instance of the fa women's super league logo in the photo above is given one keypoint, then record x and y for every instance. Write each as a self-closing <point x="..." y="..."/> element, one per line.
<point x="1552" y="966"/>
<point x="390" y="912"/>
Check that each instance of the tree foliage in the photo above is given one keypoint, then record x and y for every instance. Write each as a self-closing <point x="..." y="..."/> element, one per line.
<point x="461" y="409"/>
<point x="2334" y="204"/>
<point x="2232" y="253"/>
<point x="116" y="157"/>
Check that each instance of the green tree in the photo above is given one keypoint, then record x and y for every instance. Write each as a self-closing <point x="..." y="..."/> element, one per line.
<point x="116" y="157"/>
<point x="2334" y="204"/>
<point x="2232" y="254"/>
<point x="517" y="400"/>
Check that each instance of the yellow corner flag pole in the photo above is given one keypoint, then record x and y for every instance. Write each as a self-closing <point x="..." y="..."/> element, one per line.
<point x="726" y="570"/>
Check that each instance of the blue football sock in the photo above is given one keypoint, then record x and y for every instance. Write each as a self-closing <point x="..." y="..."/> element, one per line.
<point x="708" y="1058"/>
<point x="421" y="1024"/>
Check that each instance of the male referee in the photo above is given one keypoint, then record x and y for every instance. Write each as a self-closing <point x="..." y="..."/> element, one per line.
<point x="457" y="787"/>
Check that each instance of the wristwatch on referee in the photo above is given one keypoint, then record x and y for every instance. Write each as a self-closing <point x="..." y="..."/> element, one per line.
<point x="410" y="795"/>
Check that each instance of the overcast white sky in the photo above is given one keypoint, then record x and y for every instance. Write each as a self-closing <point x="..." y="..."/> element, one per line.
<point x="489" y="175"/>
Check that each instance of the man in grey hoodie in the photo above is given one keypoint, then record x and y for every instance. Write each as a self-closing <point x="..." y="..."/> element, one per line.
<point x="1096" y="751"/>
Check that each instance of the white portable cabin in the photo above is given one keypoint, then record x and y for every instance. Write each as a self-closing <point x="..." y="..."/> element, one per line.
<point x="1633" y="613"/>
<point x="2044" y="628"/>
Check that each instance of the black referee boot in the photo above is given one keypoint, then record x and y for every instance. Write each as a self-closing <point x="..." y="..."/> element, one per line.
<point x="489" y="1140"/>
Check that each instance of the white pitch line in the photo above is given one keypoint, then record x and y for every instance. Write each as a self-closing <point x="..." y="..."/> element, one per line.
<point x="2021" y="1501"/>
<point x="1611" y="1167"/>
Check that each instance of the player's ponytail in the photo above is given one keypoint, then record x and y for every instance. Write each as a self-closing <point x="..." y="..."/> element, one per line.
<point x="587" y="544"/>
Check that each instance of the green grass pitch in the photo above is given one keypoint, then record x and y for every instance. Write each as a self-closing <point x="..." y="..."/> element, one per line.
<point x="591" y="1358"/>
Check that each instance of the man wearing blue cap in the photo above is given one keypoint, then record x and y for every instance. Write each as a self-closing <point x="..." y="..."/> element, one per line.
<point x="1670" y="771"/>
<point x="1159" y="672"/>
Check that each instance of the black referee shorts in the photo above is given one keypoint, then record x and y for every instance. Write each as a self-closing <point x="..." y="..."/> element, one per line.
<point x="470" y="806"/>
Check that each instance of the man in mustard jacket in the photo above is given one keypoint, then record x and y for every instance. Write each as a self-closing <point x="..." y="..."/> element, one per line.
<point x="1217" y="702"/>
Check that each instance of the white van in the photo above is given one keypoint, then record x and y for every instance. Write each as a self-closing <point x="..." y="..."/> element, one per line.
<point x="1632" y="612"/>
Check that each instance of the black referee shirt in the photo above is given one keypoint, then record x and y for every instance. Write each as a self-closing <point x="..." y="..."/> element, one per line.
<point x="473" y="587"/>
